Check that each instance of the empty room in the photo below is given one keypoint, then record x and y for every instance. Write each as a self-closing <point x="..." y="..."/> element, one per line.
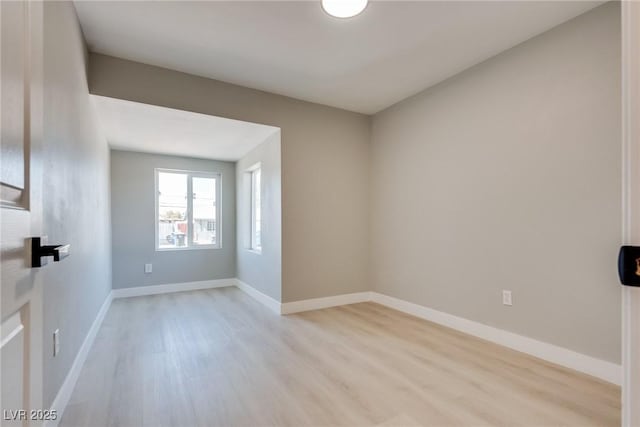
<point x="320" y="213"/>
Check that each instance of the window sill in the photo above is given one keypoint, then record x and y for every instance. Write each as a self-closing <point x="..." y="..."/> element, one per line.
<point x="255" y="251"/>
<point x="189" y="248"/>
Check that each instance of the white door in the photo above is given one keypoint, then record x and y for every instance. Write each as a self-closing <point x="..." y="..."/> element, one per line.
<point x="20" y="210"/>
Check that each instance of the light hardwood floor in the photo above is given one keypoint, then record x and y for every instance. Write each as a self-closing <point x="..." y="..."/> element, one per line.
<point x="218" y="358"/>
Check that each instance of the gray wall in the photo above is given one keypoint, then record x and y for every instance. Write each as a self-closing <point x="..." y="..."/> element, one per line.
<point x="507" y="176"/>
<point x="133" y="225"/>
<point x="76" y="196"/>
<point x="262" y="271"/>
<point x="325" y="164"/>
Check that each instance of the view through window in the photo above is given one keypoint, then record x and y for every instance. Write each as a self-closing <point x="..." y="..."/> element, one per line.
<point x="187" y="209"/>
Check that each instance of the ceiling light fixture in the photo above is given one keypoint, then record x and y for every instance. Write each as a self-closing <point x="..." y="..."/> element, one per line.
<point x="344" y="8"/>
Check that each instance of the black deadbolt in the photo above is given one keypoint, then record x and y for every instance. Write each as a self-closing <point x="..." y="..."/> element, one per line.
<point x="629" y="265"/>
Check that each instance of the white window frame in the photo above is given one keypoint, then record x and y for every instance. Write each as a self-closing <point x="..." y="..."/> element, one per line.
<point x="253" y="246"/>
<point x="218" y="227"/>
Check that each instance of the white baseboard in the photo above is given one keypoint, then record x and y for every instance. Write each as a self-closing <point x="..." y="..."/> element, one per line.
<point x="265" y="299"/>
<point x="64" y="394"/>
<point x="172" y="287"/>
<point x="325" y="302"/>
<point x="302" y="305"/>
<point x="598" y="368"/>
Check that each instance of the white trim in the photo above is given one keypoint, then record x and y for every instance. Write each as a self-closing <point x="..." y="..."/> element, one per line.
<point x="302" y="305"/>
<point x="255" y="244"/>
<point x="190" y="232"/>
<point x="602" y="369"/>
<point x="630" y="19"/>
<point x="598" y="368"/>
<point x="265" y="299"/>
<point x="11" y="328"/>
<point x="64" y="394"/>
<point x="325" y="302"/>
<point x="172" y="287"/>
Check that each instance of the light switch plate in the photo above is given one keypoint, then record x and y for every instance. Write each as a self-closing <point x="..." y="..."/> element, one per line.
<point x="148" y="268"/>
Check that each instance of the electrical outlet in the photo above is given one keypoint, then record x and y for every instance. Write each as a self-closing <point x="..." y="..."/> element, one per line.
<point x="56" y="342"/>
<point x="506" y="298"/>
<point x="148" y="268"/>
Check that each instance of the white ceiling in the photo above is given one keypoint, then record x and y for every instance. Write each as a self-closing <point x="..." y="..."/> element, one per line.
<point x="394" y="49"/>
<point x="151" y="129"/>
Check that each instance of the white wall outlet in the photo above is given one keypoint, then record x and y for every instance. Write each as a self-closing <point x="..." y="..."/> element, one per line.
<point x="506" y="298"/>
<point x="148" y="268"/>
<point x="56" y="342"/>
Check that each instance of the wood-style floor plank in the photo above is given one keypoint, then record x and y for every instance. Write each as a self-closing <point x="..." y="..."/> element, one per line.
<point x="218" y="358"/>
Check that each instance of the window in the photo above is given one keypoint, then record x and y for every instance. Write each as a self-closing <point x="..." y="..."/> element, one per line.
<point x="256" y="209"/>
<point x="187" y="210"/>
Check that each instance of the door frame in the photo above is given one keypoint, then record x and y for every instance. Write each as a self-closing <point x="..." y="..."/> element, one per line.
<point x="630" y="19"/>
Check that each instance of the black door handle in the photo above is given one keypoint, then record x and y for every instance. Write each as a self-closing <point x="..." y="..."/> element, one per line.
<point x="40" y="251"/>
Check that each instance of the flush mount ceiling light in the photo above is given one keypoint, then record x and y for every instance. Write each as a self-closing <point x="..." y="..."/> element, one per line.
<point x="344" y="8"/>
